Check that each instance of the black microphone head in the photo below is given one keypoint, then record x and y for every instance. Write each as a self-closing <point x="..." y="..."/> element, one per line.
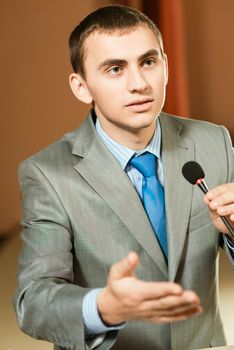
<point x="192" y="171"/>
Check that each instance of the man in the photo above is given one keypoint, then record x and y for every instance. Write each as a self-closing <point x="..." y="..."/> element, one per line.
<point x="94" y="271"/>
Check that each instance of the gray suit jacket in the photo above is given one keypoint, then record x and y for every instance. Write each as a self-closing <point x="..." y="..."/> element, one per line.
<point x="82" y="214"/>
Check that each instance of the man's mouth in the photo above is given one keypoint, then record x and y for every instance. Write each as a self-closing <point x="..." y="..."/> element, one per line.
<point x="140" y="105"/>
<point x="139" y="102"/>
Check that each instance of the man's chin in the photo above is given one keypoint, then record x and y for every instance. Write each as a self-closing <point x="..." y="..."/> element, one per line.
<point x="136" y="127"/>
<point x="142" y="120"/>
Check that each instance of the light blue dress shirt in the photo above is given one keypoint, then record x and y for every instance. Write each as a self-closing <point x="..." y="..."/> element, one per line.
<point x="92" y="321"/>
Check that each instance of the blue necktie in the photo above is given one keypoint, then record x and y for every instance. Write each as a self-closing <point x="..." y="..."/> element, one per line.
<point x="153" y="196"/>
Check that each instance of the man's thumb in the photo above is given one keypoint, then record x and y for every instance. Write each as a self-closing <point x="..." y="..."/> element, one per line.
<point x="124" y="267"/>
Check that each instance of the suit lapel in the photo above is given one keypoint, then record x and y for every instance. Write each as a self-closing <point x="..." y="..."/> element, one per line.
<point x="176" y="150"/>
<point x="104" y="173"/>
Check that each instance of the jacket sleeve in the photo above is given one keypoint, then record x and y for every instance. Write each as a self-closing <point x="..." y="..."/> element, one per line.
<point x="48" y="305"/>
<point x="230" y="179"/>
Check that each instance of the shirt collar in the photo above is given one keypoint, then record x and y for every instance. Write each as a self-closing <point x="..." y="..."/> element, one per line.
<point x="123" y="153"/>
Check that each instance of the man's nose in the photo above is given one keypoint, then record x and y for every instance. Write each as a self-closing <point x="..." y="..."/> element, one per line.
<point x="136" y="81"/>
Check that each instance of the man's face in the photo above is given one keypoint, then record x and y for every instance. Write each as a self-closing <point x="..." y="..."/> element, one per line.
<point x="126" y="76"/>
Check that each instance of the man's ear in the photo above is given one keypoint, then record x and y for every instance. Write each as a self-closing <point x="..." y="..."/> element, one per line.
<point x="79" y="88"/>
<point x="166" y="67"/>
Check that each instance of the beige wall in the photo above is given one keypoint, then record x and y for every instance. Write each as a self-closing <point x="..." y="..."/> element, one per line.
<point x="37" y="106"/>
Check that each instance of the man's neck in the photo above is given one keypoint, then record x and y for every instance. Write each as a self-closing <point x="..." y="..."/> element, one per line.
<point x="135" y="139"/>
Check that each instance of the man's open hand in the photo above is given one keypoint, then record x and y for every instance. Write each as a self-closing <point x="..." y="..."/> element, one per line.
<point x="127" y="298"/>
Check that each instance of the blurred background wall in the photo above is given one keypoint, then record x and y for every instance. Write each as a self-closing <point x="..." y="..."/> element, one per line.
<point x="37" y="106"/>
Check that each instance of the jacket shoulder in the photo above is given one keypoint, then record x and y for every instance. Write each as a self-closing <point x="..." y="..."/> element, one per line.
<point x="195" y="128"/>
<point x="55" y="154"/>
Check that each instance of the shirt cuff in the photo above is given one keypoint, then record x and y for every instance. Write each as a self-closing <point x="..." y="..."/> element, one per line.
<point x="230" y="245"/>
<point x="92" y="320"/>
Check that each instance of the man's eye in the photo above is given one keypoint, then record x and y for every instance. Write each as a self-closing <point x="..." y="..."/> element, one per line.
<point x="115" y="70"/>
<point x="149" y="62"/>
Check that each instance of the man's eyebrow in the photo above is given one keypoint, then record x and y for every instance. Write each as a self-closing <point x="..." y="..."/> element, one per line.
<point x="117" y="61"/>
<point x="151" y="52"/>
<point x="111" y="62"/>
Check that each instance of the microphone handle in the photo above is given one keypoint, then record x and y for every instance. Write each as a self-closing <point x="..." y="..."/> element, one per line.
<point x="203" y="186"/>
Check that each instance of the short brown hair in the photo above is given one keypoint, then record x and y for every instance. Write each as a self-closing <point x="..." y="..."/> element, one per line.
<point x="106" y="19"/>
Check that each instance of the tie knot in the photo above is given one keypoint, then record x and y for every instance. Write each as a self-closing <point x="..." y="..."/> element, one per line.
<point x="145" y="164"/>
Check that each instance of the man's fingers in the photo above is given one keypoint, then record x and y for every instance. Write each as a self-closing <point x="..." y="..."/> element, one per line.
<point x="170" y="305"/>
<point x="181" y="313"/>
<point x="156" y="290"/>
<point x="220" y="201"/>
<point x="175" y="318"/>
<point x="179" y="310"/>
<point x="132" y="292"/>
<point x="220" y="196"/>
<point x="219" y="190"/>
<point x="226" y="210"/>
<point x="176" y="302"/>
<point x="124" y="267"/>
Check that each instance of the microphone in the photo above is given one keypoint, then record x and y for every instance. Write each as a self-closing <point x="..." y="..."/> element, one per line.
<point x="194" y="174"/>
